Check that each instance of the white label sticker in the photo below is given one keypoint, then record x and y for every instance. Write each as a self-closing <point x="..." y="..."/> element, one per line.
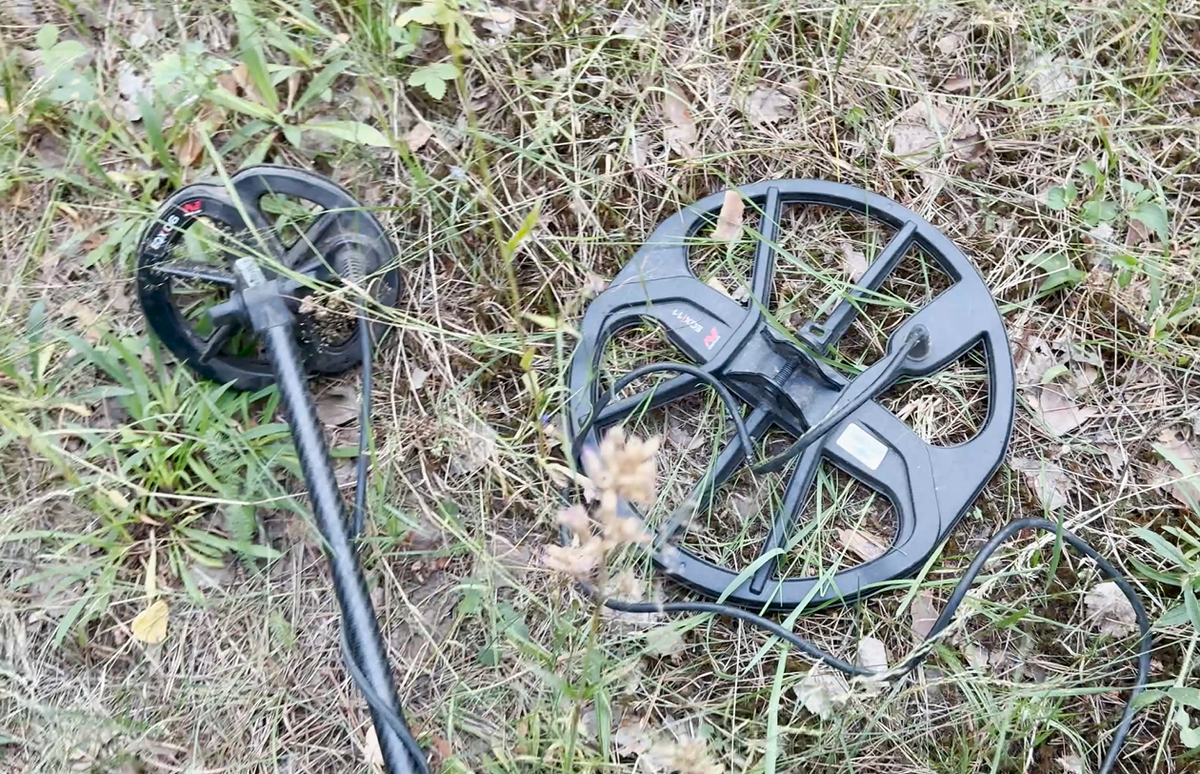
<point x="863" y="446"/>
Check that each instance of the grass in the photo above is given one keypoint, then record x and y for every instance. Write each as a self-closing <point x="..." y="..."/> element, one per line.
<point x="125" y="478"/>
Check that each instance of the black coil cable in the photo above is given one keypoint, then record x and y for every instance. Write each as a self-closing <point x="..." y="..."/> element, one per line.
<point x="383" y="710"/>
<point x="394" y="720"/>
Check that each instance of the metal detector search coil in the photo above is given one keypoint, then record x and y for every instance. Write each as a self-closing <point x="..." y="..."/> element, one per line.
<point x="790" y="387"/>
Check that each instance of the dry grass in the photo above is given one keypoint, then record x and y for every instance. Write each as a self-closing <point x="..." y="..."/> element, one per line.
<point x="564" y="116"/>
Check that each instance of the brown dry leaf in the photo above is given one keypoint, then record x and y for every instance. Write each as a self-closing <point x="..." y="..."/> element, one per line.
<point x="241" y="76"/>
<point x="293" y="88"/>
<point x="593" y="285"/>
<point x="767" y="106"/>
<point x="338" y="405"/>
<point x="716" y="284"/>
<point x="924" y="615"/>
<point x="442" y="747"/>
<point x="150" y="625"/>
<point x="1047" y="480"/>
<point x="1137" y="234"/>
<point x="85" y="317"/>
<point x="1110" y="610"/>
<point x="228" y="82"/>
<point x="680" y="133"/>
<point x="862" y="544"/>
<point x="118" y="298"/>
<point x="1057" y="411"/>
<point x="189" y="148"/>
<point x="957" y="83"/>
<point x="949" y="43"/>
<point x="1183" y="466"/>
<point x="856" y="262"/>
<point x="418" y="136"/>
<point x="918" y="131"/>
<point x="1114" y="452"/>
<point x="729" y="220"/>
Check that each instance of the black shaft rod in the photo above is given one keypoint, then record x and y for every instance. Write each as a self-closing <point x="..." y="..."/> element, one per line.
<point x="362" y="629"/>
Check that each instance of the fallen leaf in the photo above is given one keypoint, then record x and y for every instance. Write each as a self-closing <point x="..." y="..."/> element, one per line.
<point x="630" y="26"/>
<point x="911" y="135"/>
<point x="680" y="133"/>
<point x="716" y="284"/>
<point x="977" y="656"/>
<point x="856" y="262"/>
<point x="189" y="148"/>
<point x="1102" y="235"/>
<point x="475" y="446"/>
<point x="1114" y="452"/>
<point x="150" y="625"/>
<point x="677" y="436"/>
<point x="1033" y="358"/>
<point x="949" y="42"/>
<point x="1137" y="233"/>
<point x="729" y="220"/>
<point x="338" y="405"/>
<point x="633" y="737"/>
<point x="131" y="87"/>
<point x="118" y="299"/>
<point x="212" y="577"/>
<point x="746" y="507"/>
<point x="1152" y="217"/>
<point x="924" y="615"/>
<point x="666" y="641"/>
<point x="1047" y="480"/>
<point x="1183" y="474"/>
<point x="593" y="285"/>
<point x="241" y="76"/>
<point x="1059" y="412"/>
<point x="872" y="654"/>
<point x="1052" y="79"/>
<point x="499" y="21"/>
<point x="1071" y="764"/>
<point x="418" y="136"/>
<point x="442" y="747"/>
<point x="228" y="82"/>
<point x="767" y="106"/>
<point x="918" y="132"/>
<point x="862" y="544"/>
<point x="85" y="317"/>
<point x="957" y="83"/>
<point x="417" y="379"/>
<point x="372" y="754"/>
<point x="822" y="693"/>
<point x="969" y="143"/>
<point x="1110" y="610"/>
